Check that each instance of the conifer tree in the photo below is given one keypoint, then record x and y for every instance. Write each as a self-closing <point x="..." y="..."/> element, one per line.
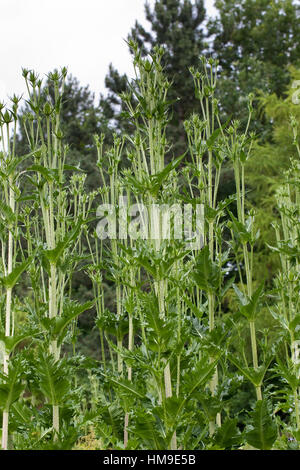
<point x="177" y="26"/>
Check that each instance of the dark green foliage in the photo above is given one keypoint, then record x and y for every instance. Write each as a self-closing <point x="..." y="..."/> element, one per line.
<point x="177" y="26"/>
<point x="12" y="386"/>
<point x="263" y="432"/>
<point x="52" y="376"/>
<point x="252" y="56"/>
<point x="176" y="365"/>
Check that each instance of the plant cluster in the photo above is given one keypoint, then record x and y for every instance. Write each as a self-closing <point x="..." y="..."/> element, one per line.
<point x="178" y="367"/>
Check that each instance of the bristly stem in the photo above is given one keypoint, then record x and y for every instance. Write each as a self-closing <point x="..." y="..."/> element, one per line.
<point x="10" y="192"/>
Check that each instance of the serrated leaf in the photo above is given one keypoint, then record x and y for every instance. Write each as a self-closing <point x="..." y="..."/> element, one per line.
<point x="158" y="178"/>
<point x="71" y="311"/>
<point x="239" y="229"/>
<point x="249" y="306"/>
<point x="264" y="432"/>
<point x="145" y="428"/>
<point x="12" y="387"/>
<point x="11" y="279"/>
<point x="206" y="273"/>
<point x="10" y="342"/>
<point x="126" y="385"/>
<point x="228" y="435"/>
<point x="7" y="213"/>
<point x="288" y="373"/>
<point x="52" y="378"/>
<point x="49" y="174"/>
<point x="210" y="142"/>
<point x="294" y="323"/>
<point x="255" y="376"/>
<point x="53" y="255"/>
<point x="22" y="411"/>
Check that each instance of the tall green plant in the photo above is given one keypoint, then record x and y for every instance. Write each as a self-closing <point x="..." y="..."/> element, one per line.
<point x="10" y="233"/>
<point x="287" y="281"/>
<point x="58" y="224"/>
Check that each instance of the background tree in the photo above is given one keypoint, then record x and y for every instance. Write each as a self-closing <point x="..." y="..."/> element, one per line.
<point x="255" y="41"/>
<point x="80" y="118"/>
<point x="265" y="171"/>
<point x="256" y="44"/>
<point x="178" y="26"/>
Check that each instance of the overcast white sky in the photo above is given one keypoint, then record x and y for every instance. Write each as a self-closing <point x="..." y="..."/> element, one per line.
<point x="84" y="35"/>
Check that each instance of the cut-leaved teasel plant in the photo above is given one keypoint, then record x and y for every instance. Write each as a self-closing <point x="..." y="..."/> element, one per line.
<point x="244" y="236"/>
<point x="206" y="146"/>
<point x="152" y="183"/>
<point x="149" y="169"/>
<point x="57" y="228"/>
<point x="244" y="232"/>
<point x="172" y="369"/>
<point x="287" y="283"/>
<point x="114" y="200"/>
<point x="12" y="264"/>
<point x="147" y="161"/>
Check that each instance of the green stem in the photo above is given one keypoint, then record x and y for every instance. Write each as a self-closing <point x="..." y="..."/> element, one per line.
<point x="254" y="355"/>
<point x="55" y="420"/>
<point x="297" y="409"/>
<point x="5" y="418"/>
<point x="4" y="441"/>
